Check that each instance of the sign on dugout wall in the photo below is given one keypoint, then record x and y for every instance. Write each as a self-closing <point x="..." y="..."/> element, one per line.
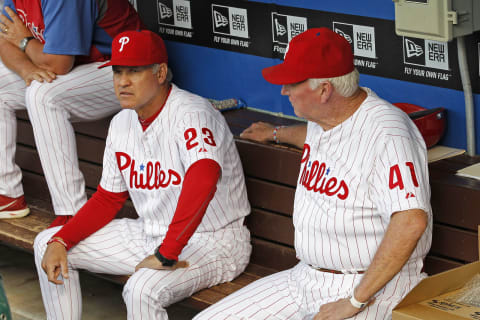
<point x="264" y="29"/>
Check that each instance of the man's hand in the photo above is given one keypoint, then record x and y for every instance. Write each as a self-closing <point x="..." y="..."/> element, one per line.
<point x="39" y="74"/>
<point x="54" y="262"/>
<point x="151" y="262"/>
<point x="259" y="131"/>
<point x="13" y="30"/>
<point x="340" y="309"/>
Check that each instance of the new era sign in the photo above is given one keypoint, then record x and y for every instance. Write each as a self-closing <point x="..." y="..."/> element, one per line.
<point x="230" y="21"/>
<point x="361" y="38"/>
<point x="174" y="13"/>
<point x="285" y="27"/>
<point x="425" y="53"/>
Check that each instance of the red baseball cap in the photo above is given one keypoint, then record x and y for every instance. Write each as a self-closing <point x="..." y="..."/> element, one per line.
<point x="137" y="48"/>
<point x="316" y="53"/>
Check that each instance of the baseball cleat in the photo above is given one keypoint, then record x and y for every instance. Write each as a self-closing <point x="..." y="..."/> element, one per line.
<point x="11" y="208"/>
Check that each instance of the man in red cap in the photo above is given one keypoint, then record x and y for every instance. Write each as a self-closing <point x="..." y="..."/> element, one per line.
<point x="173" y="154"/>
<point x="362" y="215"/>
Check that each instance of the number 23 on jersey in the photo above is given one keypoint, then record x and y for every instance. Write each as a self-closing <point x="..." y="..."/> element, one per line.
<point x="193" y="138"/>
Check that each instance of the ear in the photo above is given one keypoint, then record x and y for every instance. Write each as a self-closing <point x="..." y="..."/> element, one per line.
<point x="326" y="90"/>
<point x="162" y="73"/>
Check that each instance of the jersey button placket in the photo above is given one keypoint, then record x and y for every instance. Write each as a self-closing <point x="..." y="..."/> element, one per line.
<point x="146" y="143"/>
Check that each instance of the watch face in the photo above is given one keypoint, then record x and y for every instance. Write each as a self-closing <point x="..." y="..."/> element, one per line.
<point x="23" y="44"/>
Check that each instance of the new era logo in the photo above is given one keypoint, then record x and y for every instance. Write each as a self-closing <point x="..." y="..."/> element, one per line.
<point x="412" y="49"/>
<point x="285" y="27"/>
<point x="219" y="19"/>
<point x="230" y="21"/>
<point x="361" y="38"/>
<point x="343" y="34"/>
<point x="175" y="13"/>
<point x="425" y="53"/>
<point x="165" y="12"/>
<point x="280" y="29"/>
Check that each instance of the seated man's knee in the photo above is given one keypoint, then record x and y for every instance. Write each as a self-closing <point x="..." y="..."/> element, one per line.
<point x="39" y="96"/>
<point x="40" y="243"/>
<point x="140" y="289"/>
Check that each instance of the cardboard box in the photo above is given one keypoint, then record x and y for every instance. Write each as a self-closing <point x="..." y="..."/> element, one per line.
<point x="430" y="298"/>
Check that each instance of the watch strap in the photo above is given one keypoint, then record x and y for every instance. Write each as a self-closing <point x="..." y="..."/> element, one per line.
<point x="165" y="262"/>
<point x="24" y="42"/>
<point x="356" y="303"/>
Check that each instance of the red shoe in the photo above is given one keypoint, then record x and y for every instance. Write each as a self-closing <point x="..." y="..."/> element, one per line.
<point x="60" y="221"/>
<point x="11" y="208"/>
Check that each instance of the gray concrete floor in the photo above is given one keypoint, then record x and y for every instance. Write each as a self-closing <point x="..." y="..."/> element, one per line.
<point x="101" y="299"/>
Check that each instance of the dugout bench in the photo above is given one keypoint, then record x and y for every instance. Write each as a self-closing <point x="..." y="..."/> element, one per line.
<point x="271" y="173"/>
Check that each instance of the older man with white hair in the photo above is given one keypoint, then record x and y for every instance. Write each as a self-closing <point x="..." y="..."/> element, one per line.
<point x="362" y="215"/>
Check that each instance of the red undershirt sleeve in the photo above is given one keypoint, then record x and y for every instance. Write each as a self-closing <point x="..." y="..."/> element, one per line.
<point x="199" y="187"/>
<point x="99" y="210"/>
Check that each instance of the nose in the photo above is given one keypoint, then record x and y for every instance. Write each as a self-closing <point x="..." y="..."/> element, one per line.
<point x="122" y="80"/>
<point x="284" y="90"/>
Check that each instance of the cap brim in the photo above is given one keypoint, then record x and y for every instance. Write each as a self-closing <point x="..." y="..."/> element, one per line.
<point x="109" y="63"/>
<point x="283" y="74"/>
<point x="129" y="63"/>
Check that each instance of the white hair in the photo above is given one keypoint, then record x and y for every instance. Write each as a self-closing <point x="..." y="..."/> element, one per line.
<point x="345" y="85"/>
<point x="156" y="68"/>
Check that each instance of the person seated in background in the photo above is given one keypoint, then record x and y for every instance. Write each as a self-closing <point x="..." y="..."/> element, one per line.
<point x="49" y="52"/>
<point x="362" y="215"/>
<point x="175" y="156"/>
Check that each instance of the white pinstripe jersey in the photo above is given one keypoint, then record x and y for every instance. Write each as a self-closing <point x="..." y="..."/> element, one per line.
<point x="353" y="177"/>
<point x="151" y="165"/>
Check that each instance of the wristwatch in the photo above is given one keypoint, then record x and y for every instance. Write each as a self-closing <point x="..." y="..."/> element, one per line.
<point x="165" y="262"/>
<point x="24" y="42"/>
<point x="356" y="303"/>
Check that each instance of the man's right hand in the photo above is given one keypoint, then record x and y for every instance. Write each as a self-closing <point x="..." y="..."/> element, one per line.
<point x="263" y="132"/>
<point x="259" y="131"/>
<point x="39" y="74"/>
<point x="54" y="262"/>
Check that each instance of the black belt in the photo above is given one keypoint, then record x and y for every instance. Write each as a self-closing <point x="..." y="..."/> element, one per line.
<point x="338" y="271"/>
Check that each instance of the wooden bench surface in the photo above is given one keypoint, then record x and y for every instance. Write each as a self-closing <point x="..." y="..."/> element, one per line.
<point x="271" y="173"/>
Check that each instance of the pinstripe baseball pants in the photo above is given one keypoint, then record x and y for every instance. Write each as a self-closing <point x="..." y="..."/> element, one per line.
<point x="298" y="293"/>
<point x="84" y="94"/>
<point x="214" y="257"/>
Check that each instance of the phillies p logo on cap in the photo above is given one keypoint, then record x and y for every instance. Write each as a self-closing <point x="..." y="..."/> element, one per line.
<point x="123" y="41"/>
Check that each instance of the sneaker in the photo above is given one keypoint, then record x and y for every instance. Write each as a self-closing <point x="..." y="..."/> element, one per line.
<point x="11" y="208"/>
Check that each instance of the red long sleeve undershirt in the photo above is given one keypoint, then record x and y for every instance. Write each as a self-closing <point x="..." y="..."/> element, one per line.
<point x="199" y="186"/>
<point x="99" y="210"/>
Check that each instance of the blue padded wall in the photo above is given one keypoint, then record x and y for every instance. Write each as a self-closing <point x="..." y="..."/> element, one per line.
<point x="219" y="73"/>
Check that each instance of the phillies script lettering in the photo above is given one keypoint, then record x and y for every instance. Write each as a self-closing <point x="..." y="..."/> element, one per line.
<point x="154" y="177"/>
<point x="314" y="177"/>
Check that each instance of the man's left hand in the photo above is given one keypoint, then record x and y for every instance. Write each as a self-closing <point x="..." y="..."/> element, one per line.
<point x="151" y="262"/>
<point x="340" y="309"/>
<point x="13" y="30"/>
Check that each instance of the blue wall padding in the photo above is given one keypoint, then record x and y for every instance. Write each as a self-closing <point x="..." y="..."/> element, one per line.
<point x="221" y="74"/>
